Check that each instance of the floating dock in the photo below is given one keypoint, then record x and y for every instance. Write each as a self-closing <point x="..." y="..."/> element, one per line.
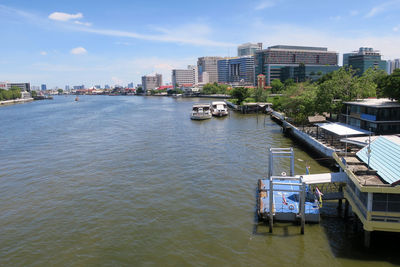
<point x="286" y="202"/>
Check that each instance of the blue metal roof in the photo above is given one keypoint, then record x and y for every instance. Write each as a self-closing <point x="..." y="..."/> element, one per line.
<point x="385" y="159"/>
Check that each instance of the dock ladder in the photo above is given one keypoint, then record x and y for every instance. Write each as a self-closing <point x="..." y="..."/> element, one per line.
<point x="285" y="183"/>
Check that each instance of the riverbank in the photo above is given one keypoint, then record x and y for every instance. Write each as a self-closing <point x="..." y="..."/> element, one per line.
<point x="305" y="139"/>
<point x="16" y="101"/>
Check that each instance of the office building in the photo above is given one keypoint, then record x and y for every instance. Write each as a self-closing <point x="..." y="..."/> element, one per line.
<point x="151" y="82"/>
<point x="392" y="65"/>
<point x="272" y="61"/>
<point x="236" y="71"/>
<point x="184" y="76"/>
<point x="366" y="58"/>
<point x="302" y="73"/>
<point x="24" y="87"/>
<point x="248" y="49"/>
<point x="130" y="85"/>
<point x="209" y="65"/>
<point x="43" y="87"/>
<point x="67" y="88"/>
<point x="381" y="116"/>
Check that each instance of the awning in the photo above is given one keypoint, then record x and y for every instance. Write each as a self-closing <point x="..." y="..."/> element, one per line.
<point x="342" y="129"/>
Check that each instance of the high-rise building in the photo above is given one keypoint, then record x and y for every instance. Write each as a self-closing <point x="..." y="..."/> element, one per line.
<point x="248" y="49"/>
<point x="238" y="70"/>
<point x="366" y="58"/>
<point x="151" y="82"/>
<point x="130" y="85"/>
<point x="272" y="61"/>
<point x="106" y="86"/>
<point x="209" y="65"/>
<point x="67" y="88"/>
<point x="184" y="76"/>
<point x="43" y="87"/>
<point x="392" y="65"/>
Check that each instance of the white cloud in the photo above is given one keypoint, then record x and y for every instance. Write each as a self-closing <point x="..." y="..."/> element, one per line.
<point x="194" y="34"/>
<point x="43" y="53"/>
<point x="78" y="51"/>
<point x="61" y="16"/>
<point x="382" y="8"/>
<point x="264" y="4"/>
<point x="354" y="13"/>
<point x="82" y="23"/>
<point x="336" y="18"/>
<point x="396" y="28"/>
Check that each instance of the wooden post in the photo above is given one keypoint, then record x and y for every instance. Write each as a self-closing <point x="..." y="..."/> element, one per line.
<point x="303" y="206"/>
<point x="271" y="202"/>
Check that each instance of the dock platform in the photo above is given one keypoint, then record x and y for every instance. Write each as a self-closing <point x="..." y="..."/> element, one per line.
<point x="286" y="203"/>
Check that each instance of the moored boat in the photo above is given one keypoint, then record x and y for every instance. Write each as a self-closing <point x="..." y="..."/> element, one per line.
<point x="219" y="108"/>
<point x="201" y="112"/>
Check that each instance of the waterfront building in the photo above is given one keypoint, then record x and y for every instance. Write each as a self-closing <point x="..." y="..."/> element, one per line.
<point x="237" y="70"/>
<point x="209" y="65"/>
<point x="151" y="82"/>
<point x="248" y="49"/>
<point x="43" y="87"/>
<point x="366" y="58"/>
<point x="24" y="87"/>
<point x="381" y="116"/>
<point x="106" y="86"/>
<point x="79" y="87"/>
<point x="272" y="62"/>
<point x="185" y="76"/>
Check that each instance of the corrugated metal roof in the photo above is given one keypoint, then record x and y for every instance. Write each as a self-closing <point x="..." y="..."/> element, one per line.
<point x="385" y="159"/>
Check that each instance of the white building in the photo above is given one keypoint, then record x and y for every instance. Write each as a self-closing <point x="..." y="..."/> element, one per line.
<point x="151" y="82"/>
<point x="185" y="76"/>
<point x="209" y="65"/>
<point x="22" y="86"/>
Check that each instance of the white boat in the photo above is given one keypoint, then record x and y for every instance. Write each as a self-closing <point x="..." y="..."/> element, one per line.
<point x="201" y="112"/>
<point x="219" y="108"/>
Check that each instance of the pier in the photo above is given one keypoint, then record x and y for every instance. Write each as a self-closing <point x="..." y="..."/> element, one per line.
<point x="368" y="178"/>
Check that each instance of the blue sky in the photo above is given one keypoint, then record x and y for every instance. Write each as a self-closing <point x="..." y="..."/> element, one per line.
<point x="116" y="42"/>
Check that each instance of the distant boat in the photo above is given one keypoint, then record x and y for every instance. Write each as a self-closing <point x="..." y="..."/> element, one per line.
<point x="76" y="98"/>
<point x="219" y="108"/>
<point x="201" y="112"/>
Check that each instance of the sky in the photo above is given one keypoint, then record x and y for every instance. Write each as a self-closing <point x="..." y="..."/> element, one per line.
<point x="101" y="42"/>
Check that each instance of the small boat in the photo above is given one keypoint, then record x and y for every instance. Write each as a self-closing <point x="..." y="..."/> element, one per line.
<point x="76" y="98"/>
<point x="219" y="108"/>
<point x="201" y="112"/>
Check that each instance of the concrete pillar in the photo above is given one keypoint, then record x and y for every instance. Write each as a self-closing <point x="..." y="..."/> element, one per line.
<point x="367" y="238"/>
<point x="346" y="209"/>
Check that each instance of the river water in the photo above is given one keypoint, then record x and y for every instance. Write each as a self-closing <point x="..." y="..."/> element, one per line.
<point x="128" y="180"/>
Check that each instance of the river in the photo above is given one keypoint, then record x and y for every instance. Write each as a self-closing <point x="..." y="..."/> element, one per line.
<point x="129" y="180"/>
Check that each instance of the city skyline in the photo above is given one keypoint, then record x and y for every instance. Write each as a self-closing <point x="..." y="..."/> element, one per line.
<point x="70" y="42"/>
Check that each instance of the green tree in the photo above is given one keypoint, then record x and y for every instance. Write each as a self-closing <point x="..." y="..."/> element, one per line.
<point x="33" y="93"/>
<point x="240" y="93"/>
<point x="277" y="86"/>
<point x="391" y="85"/>
<point x="139" y="90"/>
<point x="299" y="102"/>
<point x="60" y="91"/>
<point x="343" y="85"/>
